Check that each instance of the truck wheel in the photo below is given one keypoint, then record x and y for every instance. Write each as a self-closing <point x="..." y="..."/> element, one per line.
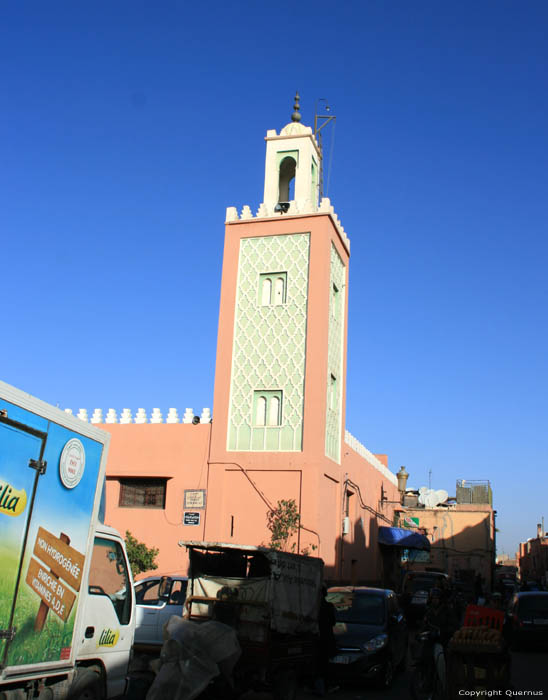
<point x="88" y="685"/>
<point x="285" y="685"/>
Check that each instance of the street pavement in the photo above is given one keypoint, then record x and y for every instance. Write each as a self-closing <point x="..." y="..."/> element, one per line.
<point x="529" y="673"/>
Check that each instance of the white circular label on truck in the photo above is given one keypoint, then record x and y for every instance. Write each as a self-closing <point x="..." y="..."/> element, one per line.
<point x="72" y="463"/>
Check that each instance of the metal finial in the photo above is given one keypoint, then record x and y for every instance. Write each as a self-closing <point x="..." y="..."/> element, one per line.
<point x="296" y="116"/>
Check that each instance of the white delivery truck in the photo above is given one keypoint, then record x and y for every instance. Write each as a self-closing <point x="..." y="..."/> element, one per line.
<point x="67" y="606"/>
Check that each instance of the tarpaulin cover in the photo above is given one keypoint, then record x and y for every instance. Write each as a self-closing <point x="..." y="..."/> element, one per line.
<point x="400" y="537"/>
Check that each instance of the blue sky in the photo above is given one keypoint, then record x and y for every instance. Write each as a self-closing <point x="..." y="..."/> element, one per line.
<point x="129" y="127"/>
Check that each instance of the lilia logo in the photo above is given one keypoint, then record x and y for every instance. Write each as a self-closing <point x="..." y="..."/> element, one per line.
<point x="108" y="638"/>
<point x="12" y="501"/>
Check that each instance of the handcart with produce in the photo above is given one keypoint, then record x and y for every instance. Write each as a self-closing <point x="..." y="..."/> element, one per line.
<point x="478" y="657"/>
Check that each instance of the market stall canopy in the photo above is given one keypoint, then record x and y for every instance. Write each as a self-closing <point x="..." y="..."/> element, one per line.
<point x="400" y="537"/>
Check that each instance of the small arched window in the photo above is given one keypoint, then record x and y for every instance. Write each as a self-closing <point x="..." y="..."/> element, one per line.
<point x="260" y="411"/>
<point x="267" y="407"/>
<point x="272" y="288"/>
<point x="288" y="167"/>
<point x="266" y="291"/>
<point x="274" y="411"/>
<point x="279" y="290"/>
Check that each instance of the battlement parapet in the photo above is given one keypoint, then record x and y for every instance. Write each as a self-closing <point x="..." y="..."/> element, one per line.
<point x="296" y="208"/>
<point x="362" y="450"/>
<point x="126" y="417"/>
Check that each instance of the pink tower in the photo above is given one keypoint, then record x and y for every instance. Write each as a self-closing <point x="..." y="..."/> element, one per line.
<point x="280" y="378"/>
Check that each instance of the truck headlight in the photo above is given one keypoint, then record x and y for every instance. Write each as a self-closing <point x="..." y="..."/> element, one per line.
<point x="376" y="643"/>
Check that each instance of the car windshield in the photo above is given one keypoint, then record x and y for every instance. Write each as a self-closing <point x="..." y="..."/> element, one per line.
<point x="422" y="583"/>
<point x="351" y="606"/>
<point x="534" y="605"/>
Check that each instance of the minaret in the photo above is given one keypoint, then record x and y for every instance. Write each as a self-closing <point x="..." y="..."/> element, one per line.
<point x="281" y="351"/>
<point x="280" y="378"/>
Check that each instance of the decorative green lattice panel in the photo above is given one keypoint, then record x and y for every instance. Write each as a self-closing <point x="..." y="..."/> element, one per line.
<point x="269" y="343"/>
<point x="335" y="357"/>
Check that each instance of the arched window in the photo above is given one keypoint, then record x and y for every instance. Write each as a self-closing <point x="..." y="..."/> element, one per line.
<point x="266" y="291"/>
<point x="272" y="288"/>
<point x="274" y="411"/>
<point x="279" y="290"/>
<point x="267" y="407"/>
<point x="260" y="415"/>
<point x="288" y="167"/>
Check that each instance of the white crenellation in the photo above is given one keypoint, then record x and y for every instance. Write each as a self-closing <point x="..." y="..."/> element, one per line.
<point x="357" y="446"/>
<point x="140" y="416"/>
<point x="125" y="416"/>
<point x="302" y="207"/>
<point x="156" y="416"/>
<point x="172" y="416"/>
<point x="97" y="416"/>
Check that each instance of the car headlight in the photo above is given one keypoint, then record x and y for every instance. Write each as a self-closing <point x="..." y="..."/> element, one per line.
<point x="376" y="643"/>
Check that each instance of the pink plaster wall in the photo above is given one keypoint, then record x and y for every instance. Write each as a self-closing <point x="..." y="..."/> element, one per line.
<point x="175" y="451"/>
<point x="367" y="514"/>
<point x="461" y="537"/>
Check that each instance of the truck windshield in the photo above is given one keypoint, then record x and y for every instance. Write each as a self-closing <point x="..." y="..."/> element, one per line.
<point x="108" y="576"/>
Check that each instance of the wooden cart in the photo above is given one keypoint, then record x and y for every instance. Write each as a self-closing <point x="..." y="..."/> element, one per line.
<point x="477" y="655"/>
<point x="270" y="598"/>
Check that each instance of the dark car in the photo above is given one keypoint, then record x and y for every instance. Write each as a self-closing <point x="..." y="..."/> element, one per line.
<point x="527" y="618"/>
<point x="370" y="634"/>
<point x="416" y="589"/>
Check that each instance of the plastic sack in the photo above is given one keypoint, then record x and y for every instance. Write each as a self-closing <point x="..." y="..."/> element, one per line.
<point x="192" y="655"/>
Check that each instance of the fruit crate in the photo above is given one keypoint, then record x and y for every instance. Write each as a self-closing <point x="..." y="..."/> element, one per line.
<point x="481" y="616"/>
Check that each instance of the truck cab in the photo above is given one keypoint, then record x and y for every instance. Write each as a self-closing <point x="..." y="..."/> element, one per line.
<point x="105" y="636"/>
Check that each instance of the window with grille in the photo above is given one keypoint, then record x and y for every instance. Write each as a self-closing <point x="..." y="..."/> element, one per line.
<point x="143" y="493"/>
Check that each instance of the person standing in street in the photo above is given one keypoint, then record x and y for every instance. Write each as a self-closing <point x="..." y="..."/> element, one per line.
<point x="327" y="647"/>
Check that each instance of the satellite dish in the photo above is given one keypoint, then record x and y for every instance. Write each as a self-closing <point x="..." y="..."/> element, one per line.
<point x="431" y="499"/>
<point x="442" y="495"/>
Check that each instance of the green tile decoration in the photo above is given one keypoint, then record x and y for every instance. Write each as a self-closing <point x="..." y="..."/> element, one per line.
<point x="335" y="357"/>
<point x="269" y="347"/>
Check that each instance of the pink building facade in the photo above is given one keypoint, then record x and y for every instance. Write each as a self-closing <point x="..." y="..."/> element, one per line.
<point x="279" y="398"/>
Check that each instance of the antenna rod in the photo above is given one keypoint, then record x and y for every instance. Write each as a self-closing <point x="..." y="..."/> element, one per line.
<point x="318" y="126"/>
<point x="429" y="478"/>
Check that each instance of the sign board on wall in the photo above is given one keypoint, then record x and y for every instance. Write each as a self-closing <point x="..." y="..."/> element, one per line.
<point x="191" y="518"/>
<point x="415" y="555"/>
<point x="195" y="498"/>
<point x="410" y="521"/>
